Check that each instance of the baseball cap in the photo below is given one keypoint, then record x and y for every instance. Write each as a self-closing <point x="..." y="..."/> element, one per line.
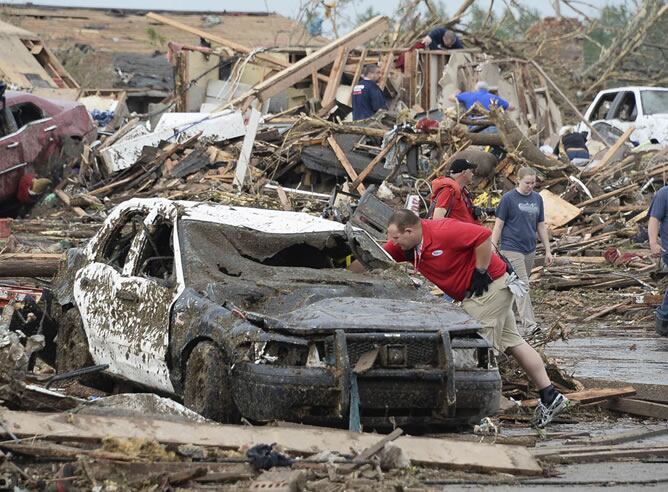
<point x="460" y="165"/>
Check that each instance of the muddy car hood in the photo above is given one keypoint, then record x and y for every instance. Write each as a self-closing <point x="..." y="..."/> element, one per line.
<point x="363" y="314"/>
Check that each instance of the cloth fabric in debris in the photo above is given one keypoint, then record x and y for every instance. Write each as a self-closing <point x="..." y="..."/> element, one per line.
<point x="367" y="99"/>
<point x="616" y="257"/>
<point x="446" y="255"/>
<point x="263" y="457"/>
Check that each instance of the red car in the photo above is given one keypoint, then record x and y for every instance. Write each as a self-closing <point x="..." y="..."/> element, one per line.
<point x="33" y="130"/>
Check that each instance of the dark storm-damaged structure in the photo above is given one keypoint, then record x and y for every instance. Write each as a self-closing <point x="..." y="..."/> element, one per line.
<point x="248" y="312"/>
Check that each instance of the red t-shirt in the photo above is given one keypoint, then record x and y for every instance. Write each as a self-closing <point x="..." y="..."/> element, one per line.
<point x="450" y="196"/>
<point x="447" y="254"/>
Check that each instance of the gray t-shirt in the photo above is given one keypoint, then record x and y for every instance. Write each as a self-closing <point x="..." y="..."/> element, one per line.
<point x="521" y="215"/>
<point x="659" y="210"/>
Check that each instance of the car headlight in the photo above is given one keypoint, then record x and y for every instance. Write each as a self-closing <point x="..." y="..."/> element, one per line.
<point x="473" y="358"/>
<point x="280" y="353"/>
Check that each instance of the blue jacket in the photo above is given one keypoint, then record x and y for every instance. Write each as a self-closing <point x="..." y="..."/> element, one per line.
<point x="367" y="99"/>
<point x="436" y="36"/>
<point x="483" y="97"/>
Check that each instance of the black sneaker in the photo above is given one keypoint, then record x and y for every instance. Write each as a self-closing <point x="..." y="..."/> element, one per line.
<point x="545" y="414"/>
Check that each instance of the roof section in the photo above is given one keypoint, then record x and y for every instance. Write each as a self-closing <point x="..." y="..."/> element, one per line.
<point x="130" y="30"/>
<point x="13" y="30"/>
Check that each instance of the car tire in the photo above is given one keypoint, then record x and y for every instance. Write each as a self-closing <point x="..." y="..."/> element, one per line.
<point x="207" y="387"/>
<point x="72" y="349"/>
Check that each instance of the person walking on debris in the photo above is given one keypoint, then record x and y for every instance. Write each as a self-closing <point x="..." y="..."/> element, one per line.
<point x="574" y="145"/>
<point x="450" y="196"/>
<point x="519" y="217"/>
<point x="442" y="39"/>
<point x="367" y="95"/>
<point x="658" y="226"/>
<point x="458" y="258"/>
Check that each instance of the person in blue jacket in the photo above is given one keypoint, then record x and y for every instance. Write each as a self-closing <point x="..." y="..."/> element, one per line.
<point x="367" y="95"/>
<point x="442" y="39"/>
<point x="480" y="95"/>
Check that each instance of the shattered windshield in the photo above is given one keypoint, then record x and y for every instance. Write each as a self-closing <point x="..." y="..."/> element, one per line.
<point x="238" y="250"/>
<point x="654" y="102"/>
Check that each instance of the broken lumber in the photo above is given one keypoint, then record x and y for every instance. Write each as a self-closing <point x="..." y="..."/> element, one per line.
<point x="329" y="97"/>
<point x="289" y="76"/>
<point x="590" y="395"/>
<point x="446" y="453"/>
<point x="29" y="264"/>
<point x="246" y="148"/>
<point x="639" y="407"/>
<point x="374" y="162"/>
<point x="558" y="212"/>
<point x="630" y="436"/>
<point x="341" y="156"/>
<point x="610" y="153"/>
<point x="596" y="454"/>
<point x="605" y="196"/>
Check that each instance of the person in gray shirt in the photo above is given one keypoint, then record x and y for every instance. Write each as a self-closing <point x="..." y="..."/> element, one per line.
<point x="520" y="217"/>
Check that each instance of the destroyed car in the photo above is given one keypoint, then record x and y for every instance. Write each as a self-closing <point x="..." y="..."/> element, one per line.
<point x="32" y="131"/>
<point x="247" y="312"/>
<point x="614" y="111"/>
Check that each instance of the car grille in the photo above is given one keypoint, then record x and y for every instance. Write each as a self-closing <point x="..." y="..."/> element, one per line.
<point x="420" y="351"/>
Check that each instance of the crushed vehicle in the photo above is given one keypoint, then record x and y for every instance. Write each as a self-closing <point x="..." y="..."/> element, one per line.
<point x="33" y="130"/>
<point x="614" y="111"/>
<point x="248" y="312"/>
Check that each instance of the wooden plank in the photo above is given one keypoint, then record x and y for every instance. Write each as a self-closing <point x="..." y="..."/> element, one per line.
<point x="29" y="264"/>
<point x="590" y="395"/>
<point x="246" y="149"/>
<point x="316" y="60"/>
<point x="605" y="311"/>
<point x="374" y="162"/>
<point x="610" y="153"/>
<point x="605" y="196"/>
<point x="315" y="84"/>
<point x="240" y="48"/>
<point x="623" y="437"/>
<point x="357" y="75"/>
<point x="371" y="450"/>
<point x="639" y="407"/>
<point x="558" y="212"/>
<point x="608" y="455"/>
<point x="329" y="97"/>
<point x="385" y="70"/>
<point x="341" y="156"/>
<point x="470" y="456"/>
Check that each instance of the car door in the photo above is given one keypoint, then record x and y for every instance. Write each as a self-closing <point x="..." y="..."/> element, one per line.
<point x="142" y="299"/>
<point x="40" y="136"/>
<point x="96" y="290"/>
<point x="623" y="111"/>
<point x="11" y="156"/>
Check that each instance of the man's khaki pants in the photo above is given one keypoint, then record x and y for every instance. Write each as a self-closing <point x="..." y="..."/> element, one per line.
<point x="494" y="311"/>
<point x="522" y="264"/>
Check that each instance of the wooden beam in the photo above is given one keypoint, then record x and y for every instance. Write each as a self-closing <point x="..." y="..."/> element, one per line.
<point x="315" y="84"/>
<point x="341" y="156"/>
<point x="303" y="68"/>
<point x="29" y="264"/>
<point x="630" y="436"/>
<point x="591" y="395"/>
<point x="610" y="153"/>
<point x="358" y="74"/>
<point x="240" y="48"/>
<point x="241" y="170"/>
<point x="385" y="70"/>
<point x="605" y="196"/>
<point x="370" y="167"/>
<point x="329" y="97"/>
<point x="639" y="407"/>
<point x="448" y="453"/>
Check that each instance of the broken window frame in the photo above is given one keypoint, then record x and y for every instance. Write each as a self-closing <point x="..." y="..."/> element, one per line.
<point x="148" y="243"/>
<point x="620" y="101"/>
<point x="136" y="216"/>
<point x="19" y="108"/>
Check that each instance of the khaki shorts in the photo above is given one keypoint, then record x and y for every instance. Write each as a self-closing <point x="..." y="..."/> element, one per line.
<point x="494" y="311"/>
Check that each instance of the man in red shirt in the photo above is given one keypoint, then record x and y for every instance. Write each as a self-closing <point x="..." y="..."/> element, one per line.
<point x="450" y="197"/>
<point x="457" y="257"/>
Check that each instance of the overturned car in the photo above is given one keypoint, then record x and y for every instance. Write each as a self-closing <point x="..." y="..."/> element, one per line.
<point x="248" y="312"/>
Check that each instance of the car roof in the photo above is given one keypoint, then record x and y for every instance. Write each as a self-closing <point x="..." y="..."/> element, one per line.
<point x="263" y="220"/>
<point x="633" y="88"/>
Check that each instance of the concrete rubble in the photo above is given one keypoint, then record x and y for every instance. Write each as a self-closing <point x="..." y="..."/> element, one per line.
<point x="272" y="132"/>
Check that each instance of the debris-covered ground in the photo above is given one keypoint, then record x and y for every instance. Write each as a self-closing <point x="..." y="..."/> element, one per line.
<point x="243" y="127"/>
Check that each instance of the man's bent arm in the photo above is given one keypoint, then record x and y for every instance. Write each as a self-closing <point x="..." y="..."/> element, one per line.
<point x="653" y="232"/>
<point x="483" y="254"/>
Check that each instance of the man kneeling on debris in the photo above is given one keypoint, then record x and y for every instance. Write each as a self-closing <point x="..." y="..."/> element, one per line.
<point x="458" y="258"/>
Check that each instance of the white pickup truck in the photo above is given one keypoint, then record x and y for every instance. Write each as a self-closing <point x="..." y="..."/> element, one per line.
<point x="613" y="111"/>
